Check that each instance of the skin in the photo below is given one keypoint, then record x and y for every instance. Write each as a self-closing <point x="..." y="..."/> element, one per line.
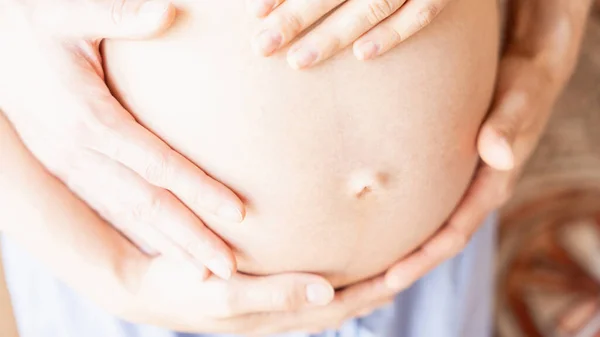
<point x="542" y="46"/>
<point x="26" y="187"/>
<point x="372" y="27"/>
<point x="345" y="168"/>
<point x="150" y="192"/>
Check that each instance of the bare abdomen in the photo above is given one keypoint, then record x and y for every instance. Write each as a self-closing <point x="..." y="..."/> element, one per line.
<point x="344" y="168"/>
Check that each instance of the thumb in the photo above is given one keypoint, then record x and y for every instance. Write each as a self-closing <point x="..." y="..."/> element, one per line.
<point x="126" y="19"/>
<point x="276" y="293"/>
<point x="499" y="132"/>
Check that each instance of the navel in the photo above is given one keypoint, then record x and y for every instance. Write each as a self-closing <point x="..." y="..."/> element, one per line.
<point x="363" y="183"/>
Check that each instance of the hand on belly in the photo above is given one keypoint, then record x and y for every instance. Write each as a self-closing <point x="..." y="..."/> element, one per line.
<point x="344" y="168"/>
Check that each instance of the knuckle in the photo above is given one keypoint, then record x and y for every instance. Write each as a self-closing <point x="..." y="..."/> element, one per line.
<point x="426" y="15"/>
<point x="394" y="35"/>
<point x="284" y="300"/>
<point x="517" y="101"/>
<point x="148" y="210"/>
<point x="378" y="10"/>
<point x="100" y="125"/>
<point x="292" y="23"/>
<point x="157" y="166"/>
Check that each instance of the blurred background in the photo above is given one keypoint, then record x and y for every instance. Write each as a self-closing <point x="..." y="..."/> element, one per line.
<point x="548" y="281"/>
<point x="548" y="276"/>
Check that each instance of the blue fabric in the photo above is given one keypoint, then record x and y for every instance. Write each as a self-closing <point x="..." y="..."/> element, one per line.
<point x="454" y="300"/>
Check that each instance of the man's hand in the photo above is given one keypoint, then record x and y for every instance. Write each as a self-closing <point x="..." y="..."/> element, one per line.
<point x="540" y="56"/>
<point x="52" y="89"/>
<point x="372" y="26"/>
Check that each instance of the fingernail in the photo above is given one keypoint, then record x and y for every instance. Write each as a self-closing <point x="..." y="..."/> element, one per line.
<point x="153" y="10"/>
<point x="261" y="8"/>
<point x="267" y="41"/>
<point x="319" y="294"/>
<point x="220" y="267"/>
<point x="230" y="213"/>
<point x="500" y="153"/>
<point x="302" y="57"/>
<point x="366" y="50"/>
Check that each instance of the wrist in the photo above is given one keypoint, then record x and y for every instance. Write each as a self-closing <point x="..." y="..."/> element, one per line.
<point x="548" y="32"/>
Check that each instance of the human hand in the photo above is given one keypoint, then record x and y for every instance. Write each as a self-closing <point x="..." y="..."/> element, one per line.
<point x="540" y="56"/>
<point x="93" y="258"/>
<point x="52" y="89"/>
<point x="373" y="27"/>
<point x="78" y="247"/>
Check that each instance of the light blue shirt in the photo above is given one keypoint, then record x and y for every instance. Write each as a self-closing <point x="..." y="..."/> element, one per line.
<point x="454" y="300"/>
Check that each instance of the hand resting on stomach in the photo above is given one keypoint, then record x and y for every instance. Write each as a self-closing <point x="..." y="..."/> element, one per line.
<point x="344" y="168"/>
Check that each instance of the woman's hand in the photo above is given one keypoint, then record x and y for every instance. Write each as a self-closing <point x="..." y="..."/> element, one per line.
<point x="542" y="50"/>
<point x="91" y="256"/>
<point x="372" y="26"/>
<point x="52" y="89"/>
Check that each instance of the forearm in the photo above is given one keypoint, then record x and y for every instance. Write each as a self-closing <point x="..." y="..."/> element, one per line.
<point x="45" y="218"/>
<point x="19" y="177"/>
<point x="550" y="31"/>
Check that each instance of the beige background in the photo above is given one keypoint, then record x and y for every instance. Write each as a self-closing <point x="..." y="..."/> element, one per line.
<point x="587" y="76"/>
<point x="7" y="326"/>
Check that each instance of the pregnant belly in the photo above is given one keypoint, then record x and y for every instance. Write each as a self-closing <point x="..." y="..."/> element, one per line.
<point x="344" y="168"/>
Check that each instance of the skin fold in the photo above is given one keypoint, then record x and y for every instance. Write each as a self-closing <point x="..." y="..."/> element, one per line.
<point x="345" y="167"/>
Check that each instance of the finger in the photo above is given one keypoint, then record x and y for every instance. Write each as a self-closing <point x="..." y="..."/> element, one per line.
<point x="498" y="134"/>
<point x="414" y="16"/>
<point x="262" y="8"/>
<point x="364" y="292"/>
<point x="288" y="21"/>
<point x="62" y="232"/>
<point x="124" y="140"/>
<point x="489" y="190"/>
<point x="156" y="244"/>
<point x="516" y="120"/>
<point x="375" y="306"/>
<point x="276" y="293"/>
<point x="144" y="209"/>
<point x="494" y="149"/>
<point x="424" y="259"/>
<point x="345" y="305"/>
<point x="365" y="296"/>
<point x="339" y="30"/>
<point x="105" y="18"/>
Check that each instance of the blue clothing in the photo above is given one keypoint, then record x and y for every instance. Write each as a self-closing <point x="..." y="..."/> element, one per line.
<point x="454" y="300"/>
